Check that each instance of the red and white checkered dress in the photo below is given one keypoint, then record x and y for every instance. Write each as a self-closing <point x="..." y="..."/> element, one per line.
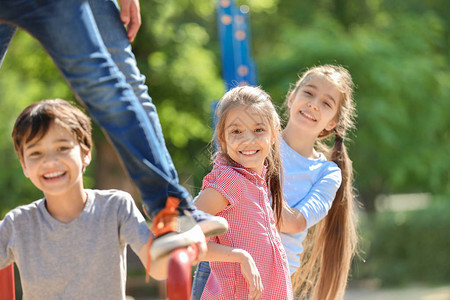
<point x="252" y="228"/>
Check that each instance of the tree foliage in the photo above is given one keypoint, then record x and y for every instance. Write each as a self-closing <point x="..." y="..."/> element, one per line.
<point x="399" y="60"/>
<point x="397" y="52"/>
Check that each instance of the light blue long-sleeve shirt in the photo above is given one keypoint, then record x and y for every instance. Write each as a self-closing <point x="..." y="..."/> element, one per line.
<point x="310" y="186"/>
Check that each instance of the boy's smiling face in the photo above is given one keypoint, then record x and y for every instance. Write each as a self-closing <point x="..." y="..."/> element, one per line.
<point x="55" y="162"/>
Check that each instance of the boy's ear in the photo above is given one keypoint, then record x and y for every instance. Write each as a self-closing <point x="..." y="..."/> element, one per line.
<point x="24" y="168"/>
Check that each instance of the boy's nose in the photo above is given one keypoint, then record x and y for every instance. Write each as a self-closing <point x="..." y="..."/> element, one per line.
<point x="50" y="158"/>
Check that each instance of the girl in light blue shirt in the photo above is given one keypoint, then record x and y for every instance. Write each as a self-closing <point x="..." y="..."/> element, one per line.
<point x="317" y="182"/>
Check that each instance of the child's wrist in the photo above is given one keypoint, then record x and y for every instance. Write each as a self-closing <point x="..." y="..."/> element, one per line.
<point x="242" y="256"/>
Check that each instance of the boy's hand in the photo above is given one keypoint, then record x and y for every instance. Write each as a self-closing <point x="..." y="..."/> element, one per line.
<point x="252" y="276"/>
<point x="131" y="16"/>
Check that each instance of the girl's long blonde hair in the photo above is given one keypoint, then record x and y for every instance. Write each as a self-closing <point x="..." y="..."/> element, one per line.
<point x="257" y="100"/>
<point x="331" y="244"/>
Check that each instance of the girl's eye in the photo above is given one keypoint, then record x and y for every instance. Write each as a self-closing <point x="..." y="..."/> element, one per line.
<point x="235" y="131"/>
<point x="307" y="93"/>
<point x="63" y="149"/>
<point x="327" y="104"/>
<point x="259" y="130"/>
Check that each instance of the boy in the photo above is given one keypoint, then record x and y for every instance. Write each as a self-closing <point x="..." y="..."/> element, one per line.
<point x="71" y="243"/>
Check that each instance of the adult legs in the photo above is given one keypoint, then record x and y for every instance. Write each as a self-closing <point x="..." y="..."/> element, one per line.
<point x="7" y="32"/>
<point x="67" y="31"/>
<point x="112" y="31"/>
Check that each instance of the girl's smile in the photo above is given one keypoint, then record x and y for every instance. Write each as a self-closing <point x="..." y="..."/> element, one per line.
<point x="308" y="116"/>
<point x="249" y="152"/>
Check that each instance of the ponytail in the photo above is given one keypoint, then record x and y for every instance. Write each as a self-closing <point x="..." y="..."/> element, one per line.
<point x="330" y="244"/>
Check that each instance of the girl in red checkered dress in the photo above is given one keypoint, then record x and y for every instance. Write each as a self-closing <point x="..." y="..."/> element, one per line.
<point x="249" y="261"/>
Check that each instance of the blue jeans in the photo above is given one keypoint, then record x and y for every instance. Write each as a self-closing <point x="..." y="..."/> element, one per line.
<point x="88" y="44"/>
<point x="200" y="278"/>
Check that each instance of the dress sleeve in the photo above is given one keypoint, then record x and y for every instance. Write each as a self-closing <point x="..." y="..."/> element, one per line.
<point x="225" y="181"/>
<point x="317" y="202"/>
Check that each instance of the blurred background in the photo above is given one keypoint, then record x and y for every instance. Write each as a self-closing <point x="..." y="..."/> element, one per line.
<point x="398" y="54"/>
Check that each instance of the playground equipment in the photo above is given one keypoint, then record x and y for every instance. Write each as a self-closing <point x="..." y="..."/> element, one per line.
<point x="238" y="67"/>
<point x="179" y="280"/>
<point x="7" y="289"/>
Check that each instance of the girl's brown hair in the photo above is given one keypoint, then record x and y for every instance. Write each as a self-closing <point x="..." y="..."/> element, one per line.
<point x="331" y="244"/>
<point x="256" y="100"/>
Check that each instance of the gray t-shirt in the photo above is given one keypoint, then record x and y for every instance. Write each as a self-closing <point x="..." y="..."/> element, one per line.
<point x="84" y="259"/>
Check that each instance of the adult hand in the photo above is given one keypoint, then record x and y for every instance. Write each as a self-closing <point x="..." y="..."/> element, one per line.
<point x="131" y="16"/>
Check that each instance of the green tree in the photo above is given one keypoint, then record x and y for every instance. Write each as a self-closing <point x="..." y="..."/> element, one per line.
<point x="400" y="64"/>
<point x="26" y="76"/>
<point x="397" y="52"/>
